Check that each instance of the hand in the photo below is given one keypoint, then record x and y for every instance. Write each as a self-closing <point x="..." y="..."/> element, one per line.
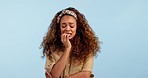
<point x="48" y="75"/>
<point x="65" y="41"/>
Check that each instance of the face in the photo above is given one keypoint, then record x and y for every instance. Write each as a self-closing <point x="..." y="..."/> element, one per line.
<point x="68" y="25"/>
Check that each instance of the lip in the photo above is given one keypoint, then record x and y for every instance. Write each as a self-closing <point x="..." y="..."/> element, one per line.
<point x="69" y="33"/>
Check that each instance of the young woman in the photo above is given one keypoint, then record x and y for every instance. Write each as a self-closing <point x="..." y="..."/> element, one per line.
<point x="69" y="46"/>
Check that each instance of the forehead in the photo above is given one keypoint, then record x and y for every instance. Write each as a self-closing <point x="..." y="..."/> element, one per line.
<point x="68" y="18"/>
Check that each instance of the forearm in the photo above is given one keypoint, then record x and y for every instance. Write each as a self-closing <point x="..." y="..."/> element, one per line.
<point x="60" y="65"/>
<point x="80" y="75"/>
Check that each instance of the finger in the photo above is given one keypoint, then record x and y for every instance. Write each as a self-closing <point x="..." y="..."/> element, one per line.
<point x="62" y="37"/>
<point x="46" y="74"/>
<point x="67" y="38"/>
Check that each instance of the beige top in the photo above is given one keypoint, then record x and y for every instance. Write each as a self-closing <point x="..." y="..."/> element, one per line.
<point x="69" y="68"/>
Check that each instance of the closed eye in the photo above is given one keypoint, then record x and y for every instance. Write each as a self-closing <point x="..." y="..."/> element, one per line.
<point x="63" y="26"/>
<point x="72" y="26"/>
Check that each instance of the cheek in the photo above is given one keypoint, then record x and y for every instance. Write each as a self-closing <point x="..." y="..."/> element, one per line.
<point x="74" y="31"/>
<point x="62" y="30"/>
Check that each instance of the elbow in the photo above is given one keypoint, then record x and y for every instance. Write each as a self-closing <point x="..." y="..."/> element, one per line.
<point x="86" y="74"/>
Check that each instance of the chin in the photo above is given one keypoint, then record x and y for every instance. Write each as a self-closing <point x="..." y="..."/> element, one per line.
<point x="70" y="37"/>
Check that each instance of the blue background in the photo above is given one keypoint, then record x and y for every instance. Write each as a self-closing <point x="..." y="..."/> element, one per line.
<point x="122" y="26"/>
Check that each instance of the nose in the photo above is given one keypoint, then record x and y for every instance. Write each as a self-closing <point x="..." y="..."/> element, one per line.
<point x="67" y="28"/>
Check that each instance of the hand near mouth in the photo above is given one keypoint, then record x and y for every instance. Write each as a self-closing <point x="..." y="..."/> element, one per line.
<point x="65" y="40"/>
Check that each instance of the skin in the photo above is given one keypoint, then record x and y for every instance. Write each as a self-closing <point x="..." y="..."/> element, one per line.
<point x="68" y="28"/>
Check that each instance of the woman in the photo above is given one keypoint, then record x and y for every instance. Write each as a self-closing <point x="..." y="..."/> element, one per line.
<point x="69" y="46"/>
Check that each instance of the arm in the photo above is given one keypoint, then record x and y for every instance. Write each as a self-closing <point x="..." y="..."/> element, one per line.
<point x="86" y="71"/>
<point x="60" y="64"/>
<point x="82" y="74"/>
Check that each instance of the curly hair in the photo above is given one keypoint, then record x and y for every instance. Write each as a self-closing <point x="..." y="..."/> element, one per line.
<point x="84" y="43"/>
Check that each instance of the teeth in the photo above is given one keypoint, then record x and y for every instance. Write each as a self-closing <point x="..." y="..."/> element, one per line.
<point x="69" y="34"/>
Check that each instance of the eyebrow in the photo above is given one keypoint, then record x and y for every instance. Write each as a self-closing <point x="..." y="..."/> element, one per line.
<point x="69" y="23"/>
<point x="64" y="23"/>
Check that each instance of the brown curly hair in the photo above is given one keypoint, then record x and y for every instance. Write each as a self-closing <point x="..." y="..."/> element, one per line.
<point x="84" y="43"/>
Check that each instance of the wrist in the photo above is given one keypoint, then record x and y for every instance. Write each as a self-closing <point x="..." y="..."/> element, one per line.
<point x="67" y="49"/>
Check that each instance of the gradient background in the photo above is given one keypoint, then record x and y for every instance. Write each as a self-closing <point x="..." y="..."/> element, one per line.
<point x="122" y="26"/>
